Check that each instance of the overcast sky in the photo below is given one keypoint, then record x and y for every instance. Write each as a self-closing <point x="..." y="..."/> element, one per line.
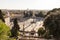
<point x="30" y="4"/>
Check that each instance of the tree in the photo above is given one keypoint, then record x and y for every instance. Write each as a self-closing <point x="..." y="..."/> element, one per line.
<point x="54" y="10"/>
<point x="4" y="32"/>
<point x="30" y="14"/>
<point x="1" y="16"/>
<point x="27" y="13"/>
<point x="4" y="29"/>
<point x="15" y="29"/>
<point x="40" y="14"/>
<point x="52" y="23"/>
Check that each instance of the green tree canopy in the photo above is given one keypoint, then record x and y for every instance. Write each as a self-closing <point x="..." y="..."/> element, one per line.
<point x="28" y="14"/>
<point x="1" y="16"/>
<point x="52" y="22"/>
<point x="4" y="31"/>
<point x="40" y="14"/>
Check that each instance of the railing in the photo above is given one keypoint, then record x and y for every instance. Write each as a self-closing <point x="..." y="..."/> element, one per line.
<point x="31" y="37"/>
<point x="26" y="31"/>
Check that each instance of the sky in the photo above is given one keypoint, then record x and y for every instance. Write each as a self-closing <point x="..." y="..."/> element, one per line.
<point x="29" y="4"/>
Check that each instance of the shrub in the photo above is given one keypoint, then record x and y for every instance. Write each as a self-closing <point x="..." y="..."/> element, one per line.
<point x="4" y="31"/>
<point x="41" y="31"/>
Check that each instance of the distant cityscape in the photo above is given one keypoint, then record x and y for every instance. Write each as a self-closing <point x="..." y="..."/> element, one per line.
<point x="30" y="22"/>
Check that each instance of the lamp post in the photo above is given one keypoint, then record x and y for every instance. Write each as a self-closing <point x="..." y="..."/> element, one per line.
<point x="23" y="29"/>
